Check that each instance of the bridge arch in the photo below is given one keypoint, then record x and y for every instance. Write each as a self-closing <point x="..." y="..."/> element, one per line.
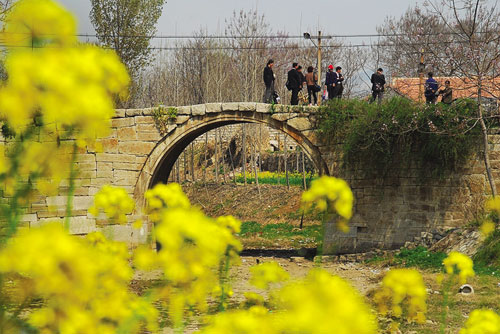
<point x="160" y="161"/>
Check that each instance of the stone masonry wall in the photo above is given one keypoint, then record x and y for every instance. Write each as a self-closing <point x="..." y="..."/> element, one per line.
<point x="388" y="212"/>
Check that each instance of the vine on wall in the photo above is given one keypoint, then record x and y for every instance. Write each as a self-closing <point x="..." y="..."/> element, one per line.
<point x="400" y="133"/>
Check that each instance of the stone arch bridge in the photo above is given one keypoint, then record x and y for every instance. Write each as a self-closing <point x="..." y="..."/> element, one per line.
<point x="138" y="155"/>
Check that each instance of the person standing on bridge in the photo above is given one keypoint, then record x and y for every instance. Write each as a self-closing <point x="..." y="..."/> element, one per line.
<point x="338" y="87"/>
<point x="269" y="81"/>
<point x="431" y="87"/>
<point x="311" y="80"/>
<point x="329" y="82"/>
<point x="294" y="84"/>
<point x="378" y="83"/>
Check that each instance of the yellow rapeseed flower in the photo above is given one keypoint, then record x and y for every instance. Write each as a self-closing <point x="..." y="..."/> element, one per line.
<point x="192" y="248"/>
<point x="330" y="190"/>
<point x="255" y="320"/>
<point x="164" y="196"/>
<point x="84" y="282"/>
<point x="264" y="274"/>
<point x="458" y="263"/>
<point x="482" y="322"/>
<point x="115" y="202"/>
<point x="323" y="303"/>
<point x="33" y="23"/>
<point x="403" y="289"/>
<point x="487" y="228"/>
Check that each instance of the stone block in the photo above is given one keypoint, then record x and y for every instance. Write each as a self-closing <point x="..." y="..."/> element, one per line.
<point x="86" y="166"/>
<point x="86" y="158"/>
<point x="144" y="120"/>
<point x="133" y="112"/>
<point x="184" y="110"/>
<point x="110" y="145"/>
<point x="148" y="136"/>
<point x="148" y="111"/>
<point x="283" y="116"/>
<point x="263" y="107"/>
<point x="136" y="148"/>
<point x="182" y="119"/>
<point x="198" y="110"/>
<point x="126" y="133"/>
<point x="230" y="106"/>
<point x="247" y="106"/>
<point x="104" y="173"/>
<point x="127" y="166"/>
<point x="146" y="127"/>
<point x="122" y="122"/>
<point x="81" y="225"/>
<point x="31" y="217"/>
<point x="101" y="181"/>
<point x="214" y="107"/>
<point x="119" y="113"/>
<point x="300" y="123"/>
<point x="125" y="177"/>
<point x="125" y="233"/>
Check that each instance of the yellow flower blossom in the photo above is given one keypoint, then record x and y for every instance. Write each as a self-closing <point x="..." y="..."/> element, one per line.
<point x="323" y="303"/>
<point x="256" y="320"/>
<point x="327" y="191"/>
<point x="39" y="22"/>
<point x="192" y="248"/>
<point x="320" y="303"/>
<point x="115" y="202"/>
<point x="458" y="263"/>
<point x="482" y="322"/>
<point x="403" y="288"/>
<point x="266" y="273"/>
<point x="164" y="196"/>
<point x="84" y="282"/>
<point x="487" y="228"/>
<point x="493" y="204"/>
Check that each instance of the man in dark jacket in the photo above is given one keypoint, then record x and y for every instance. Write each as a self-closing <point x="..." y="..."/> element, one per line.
<point x="269" y="81"/>
<point x="431" y="87"/>
<point x="338" y="87"/>
<point x="329" y="81"/>
<point x="294" y="83"/>
<point x="378" y="83"/>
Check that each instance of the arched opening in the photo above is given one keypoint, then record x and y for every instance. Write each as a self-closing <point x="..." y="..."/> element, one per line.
<point x="174" y="144"/>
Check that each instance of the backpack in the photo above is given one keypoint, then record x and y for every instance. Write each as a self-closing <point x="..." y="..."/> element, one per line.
<point x="288" y="85"/>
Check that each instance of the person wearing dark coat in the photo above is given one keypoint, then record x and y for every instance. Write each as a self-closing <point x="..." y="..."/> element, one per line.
<point x="378" y="83"/>
<point x="329" y="81"/>
<point x="338" y="87"/>
<point x="269" y="81"/>
<point x="446" y="93"/>
<point x="294" y="81"/>
<point x="431" y="87"/>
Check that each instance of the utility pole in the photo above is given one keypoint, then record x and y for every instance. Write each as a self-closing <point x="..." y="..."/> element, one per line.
<point x="421" y="68"/>
<point x="319" y="66"/>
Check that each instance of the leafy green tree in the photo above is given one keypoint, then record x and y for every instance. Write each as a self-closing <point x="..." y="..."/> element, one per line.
<point x="127" y="26"/>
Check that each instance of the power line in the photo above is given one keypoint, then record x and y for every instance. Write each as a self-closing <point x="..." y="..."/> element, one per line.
<point x="277" y="36"/>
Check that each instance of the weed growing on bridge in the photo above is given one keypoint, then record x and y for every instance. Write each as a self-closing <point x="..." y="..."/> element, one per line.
<point x="163" y="117"/>
<point x="401" y="134"/>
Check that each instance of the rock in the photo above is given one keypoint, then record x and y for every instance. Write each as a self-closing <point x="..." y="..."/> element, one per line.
<point x="466" y="289"/>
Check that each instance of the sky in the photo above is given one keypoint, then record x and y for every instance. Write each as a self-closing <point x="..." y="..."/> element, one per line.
<point x="183" y="17"/>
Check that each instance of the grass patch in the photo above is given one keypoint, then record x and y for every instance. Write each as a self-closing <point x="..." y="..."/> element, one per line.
<point x="420" y="257"/>
<point x="284" y="235"/>
<point x="295" y="179"/>
<point x="487" y="259"/>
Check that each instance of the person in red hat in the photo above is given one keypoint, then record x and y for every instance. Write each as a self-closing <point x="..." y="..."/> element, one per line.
<point x="329" y="81"/>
